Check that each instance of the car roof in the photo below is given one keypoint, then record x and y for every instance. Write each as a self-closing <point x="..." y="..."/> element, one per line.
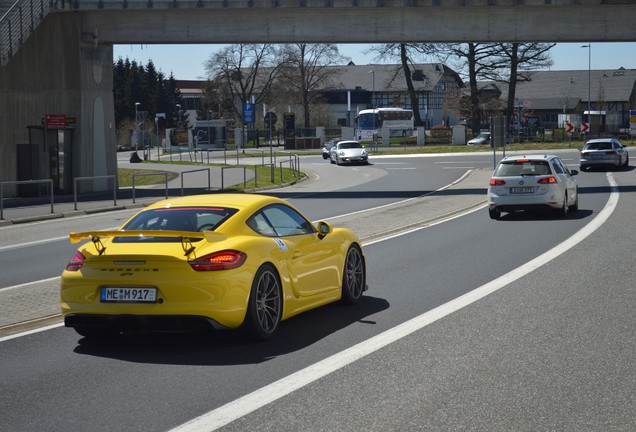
<point x="235" y="200"/>
<point x="530" y="157"/>
<point x="595" y="140"/>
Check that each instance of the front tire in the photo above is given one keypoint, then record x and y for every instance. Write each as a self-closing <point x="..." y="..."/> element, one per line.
<point x="354" y="276"/>
<point x="265" y="305"/>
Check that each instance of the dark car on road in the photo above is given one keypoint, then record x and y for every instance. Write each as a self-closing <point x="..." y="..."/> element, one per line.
<point x="326" y="149"/>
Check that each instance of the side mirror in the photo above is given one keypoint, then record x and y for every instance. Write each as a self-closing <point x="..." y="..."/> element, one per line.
<point x="573" y="172"/>
<point x="324" y="228"/>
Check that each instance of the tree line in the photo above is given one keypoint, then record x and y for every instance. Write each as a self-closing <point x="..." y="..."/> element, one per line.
<point x="295" y="74"/>
<point x="140" y="94"/>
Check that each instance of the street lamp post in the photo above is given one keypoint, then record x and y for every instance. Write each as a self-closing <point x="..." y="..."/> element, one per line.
<point x="372" y="72"/>
<point x="589" y="81"/>
<point x="137" y="124"/>
<point x="209" y="136"/>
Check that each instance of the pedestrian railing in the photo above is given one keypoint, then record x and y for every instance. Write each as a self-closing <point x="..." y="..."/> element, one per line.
<point x="161" y="173"/>
<point x="48" y="182"/>
<point x="233" y="167"/>
<point x="183" y="173"/>
<point x="78" y="179"/>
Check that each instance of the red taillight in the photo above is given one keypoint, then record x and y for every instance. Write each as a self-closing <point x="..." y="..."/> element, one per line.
<point x="584" y="153"/>
<point x="611" y="153"/>
<point x="496" y="182"/>
<point x="76" y="262"/>
<point x="547" y="180"/>
<point x="224" y="260"/>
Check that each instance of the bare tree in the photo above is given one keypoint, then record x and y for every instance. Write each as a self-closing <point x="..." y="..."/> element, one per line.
<point x="244" y="71"/>
<point x="407" y="53"/>
<point x="519" y="59"/>
<point x="477" y="61"/>
<point x="306" y="71"/>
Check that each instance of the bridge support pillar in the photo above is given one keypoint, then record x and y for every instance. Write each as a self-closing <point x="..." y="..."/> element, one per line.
<point x="54" y="72"/>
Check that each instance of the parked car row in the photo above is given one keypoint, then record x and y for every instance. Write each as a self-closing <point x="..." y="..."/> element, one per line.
<point x="544" y="182"/>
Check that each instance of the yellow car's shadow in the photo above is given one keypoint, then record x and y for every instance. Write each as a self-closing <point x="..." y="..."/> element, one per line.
<point x="232" y="347"/>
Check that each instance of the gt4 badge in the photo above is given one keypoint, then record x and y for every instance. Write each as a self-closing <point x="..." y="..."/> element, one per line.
<point x="281" y="245"/>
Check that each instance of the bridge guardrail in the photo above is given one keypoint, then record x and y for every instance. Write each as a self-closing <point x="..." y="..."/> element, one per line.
<point x="17" y="24"/>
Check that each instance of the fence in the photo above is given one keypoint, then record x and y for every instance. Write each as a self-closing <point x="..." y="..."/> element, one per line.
<point x="49" y="182"/>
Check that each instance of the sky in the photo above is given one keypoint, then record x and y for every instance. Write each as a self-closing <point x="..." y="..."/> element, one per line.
<point x="186" y="61"/>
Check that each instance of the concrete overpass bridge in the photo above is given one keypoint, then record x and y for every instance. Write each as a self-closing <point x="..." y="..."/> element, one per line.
<point x="56" y="55"/>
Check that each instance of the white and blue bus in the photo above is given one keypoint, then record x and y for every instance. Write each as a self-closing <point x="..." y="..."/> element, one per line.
<point x="371" y="121"/>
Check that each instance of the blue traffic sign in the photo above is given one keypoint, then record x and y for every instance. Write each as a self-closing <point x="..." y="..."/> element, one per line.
<point x="248" y="113"/>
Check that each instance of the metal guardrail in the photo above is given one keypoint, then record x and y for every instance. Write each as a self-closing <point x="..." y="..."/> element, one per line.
<point x="233" y="167"/>
<point x="193" y="171"/>
<point x="135" y="175"/>
<point x="2" y="184"/>
<point x="18" y="23"/>
<point x="271" y="165"/>
<point x="76" y="179"/>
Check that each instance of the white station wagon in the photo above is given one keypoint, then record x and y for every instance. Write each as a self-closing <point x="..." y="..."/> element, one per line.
<point x="532" y="182"/>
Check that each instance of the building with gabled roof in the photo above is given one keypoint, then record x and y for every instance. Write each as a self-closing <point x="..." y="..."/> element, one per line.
<point x="550" y="93"/>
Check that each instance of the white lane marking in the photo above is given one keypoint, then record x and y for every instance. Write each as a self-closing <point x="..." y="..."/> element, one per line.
<point x="42" y="241"/>
<point x="31" y="243"/>
<point x="249" y="403"/>
<point x="26" y="333"/>
<point x="30" y="283"/>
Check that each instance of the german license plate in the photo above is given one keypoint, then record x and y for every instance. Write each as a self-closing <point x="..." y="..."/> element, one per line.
<point x="128" y="295"/>
<point x="521" y="190"/>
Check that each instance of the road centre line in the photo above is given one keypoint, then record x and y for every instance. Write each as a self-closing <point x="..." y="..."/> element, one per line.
<point x="251" y="402"/>
<point x="400" y="202"/>
<point x="39" y="242"/>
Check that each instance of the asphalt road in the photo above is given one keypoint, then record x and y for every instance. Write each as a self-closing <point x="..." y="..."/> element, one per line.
<point x="550" y="349"/>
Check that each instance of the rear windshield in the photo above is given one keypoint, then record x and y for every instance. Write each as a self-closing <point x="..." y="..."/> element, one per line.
<point x="598" y="146"/>
<point x="522" y="167"/>
<point x="177" y="219"/>
<point x="350" y="145"/>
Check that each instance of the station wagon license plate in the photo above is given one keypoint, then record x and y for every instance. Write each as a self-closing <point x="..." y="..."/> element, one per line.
<point x="128" y="295"/>
<point x="521" y="190"/>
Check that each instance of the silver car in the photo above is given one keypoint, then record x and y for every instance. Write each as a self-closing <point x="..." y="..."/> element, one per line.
<point x="349" y="152"/>
<point x="532" y="182"/>
<point x="481" y="139"/>
<point x="604" y="152"/>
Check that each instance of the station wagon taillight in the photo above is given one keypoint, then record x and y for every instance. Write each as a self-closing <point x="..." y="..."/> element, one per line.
<point x="547" y="180"/>
<point x="224" y="260"/>
<point x="497" y="182"/>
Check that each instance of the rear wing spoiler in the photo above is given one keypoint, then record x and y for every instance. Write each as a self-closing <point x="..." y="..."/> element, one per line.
<point x="94" y="236"/>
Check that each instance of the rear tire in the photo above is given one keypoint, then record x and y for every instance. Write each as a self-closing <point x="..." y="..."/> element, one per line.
<point x="565" y="208"/>
<point x="575" y="206"/>
<point x="494" y="214"/>
<point x="265" y="305"/>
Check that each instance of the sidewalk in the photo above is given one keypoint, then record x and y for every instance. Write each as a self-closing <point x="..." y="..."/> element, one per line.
<point x="191" y="179"/>
<point x="32" y="305"/>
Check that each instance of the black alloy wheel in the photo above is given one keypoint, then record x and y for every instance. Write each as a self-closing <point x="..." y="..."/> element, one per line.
<point x="265" y="305"/>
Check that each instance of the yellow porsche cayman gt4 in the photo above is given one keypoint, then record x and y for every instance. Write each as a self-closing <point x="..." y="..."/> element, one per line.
<point x="223" y="261"/>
